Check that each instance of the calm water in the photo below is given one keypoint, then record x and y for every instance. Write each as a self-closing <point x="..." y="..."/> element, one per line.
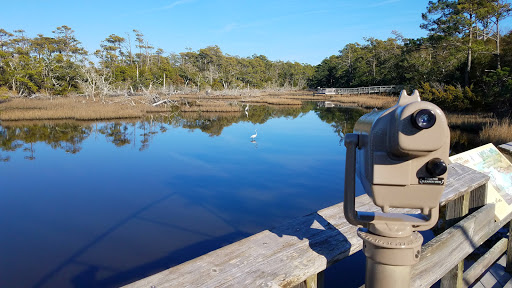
<point x="105" y="204"/>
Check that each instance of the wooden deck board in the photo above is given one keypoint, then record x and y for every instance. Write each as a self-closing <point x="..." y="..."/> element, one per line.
<point x="509" y="284"/>
<point x="498" y="271"/>
<point x="495" y="277"/>
<point x="488" y="281"/>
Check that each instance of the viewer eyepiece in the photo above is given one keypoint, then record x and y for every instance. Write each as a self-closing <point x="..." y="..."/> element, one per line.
<point x="423" y="119"/>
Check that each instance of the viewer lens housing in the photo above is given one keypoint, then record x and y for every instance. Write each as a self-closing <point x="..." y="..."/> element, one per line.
<point x="423" y="119"/>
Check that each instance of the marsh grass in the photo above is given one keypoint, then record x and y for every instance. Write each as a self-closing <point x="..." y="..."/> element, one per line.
<point x="66" y="108"/>
<point x="469" y="122"/>
<point x="497" y="132"/>
<point x="485" y="128"/>
<point x="82" y="108"/>
<point x="366" y="101"/>
<point x="274" y="101"/>
<point x="210" y="106"/>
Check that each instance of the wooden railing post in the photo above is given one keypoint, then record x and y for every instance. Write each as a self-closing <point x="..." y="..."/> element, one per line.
<point x="313" y="281"/>
<point x="508" y="267"/>
<point x="455" y="210"/>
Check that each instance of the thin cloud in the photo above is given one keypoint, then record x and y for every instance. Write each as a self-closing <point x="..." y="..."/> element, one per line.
<point x="234" y="26"/>
<point x="167" y="7"/>
<point x="383" y="3"/>
<point x="230" y="27"/>
<point x="176" y="3"/>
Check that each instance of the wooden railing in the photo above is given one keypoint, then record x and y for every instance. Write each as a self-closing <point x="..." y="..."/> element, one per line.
<point x="297" y="253"/>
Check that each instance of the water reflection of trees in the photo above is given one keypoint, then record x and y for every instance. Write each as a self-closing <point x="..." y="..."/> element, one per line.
<point x="341" y="119"/>
<point x="116" y="133"/>
<point x="214" y="123"/>
<point x="65" y="136"/>
<point x="68" y="136"/>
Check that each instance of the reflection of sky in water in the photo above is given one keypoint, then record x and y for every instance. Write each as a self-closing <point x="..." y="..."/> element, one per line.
<point x="109" y="215"/>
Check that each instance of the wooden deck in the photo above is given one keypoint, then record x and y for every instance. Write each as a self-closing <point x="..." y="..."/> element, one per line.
<point x="288" y="255"/>
<point x="496" y="276"/>
<point x="297" y="253"/>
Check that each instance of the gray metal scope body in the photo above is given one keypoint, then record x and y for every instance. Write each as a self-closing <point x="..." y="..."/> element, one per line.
<point x="402" y="154"/>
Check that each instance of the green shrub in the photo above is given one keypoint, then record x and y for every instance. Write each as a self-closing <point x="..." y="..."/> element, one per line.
<point x="448" y="97"/>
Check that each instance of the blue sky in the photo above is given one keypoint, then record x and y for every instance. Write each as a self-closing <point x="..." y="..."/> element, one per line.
<point x="302" y="31"/>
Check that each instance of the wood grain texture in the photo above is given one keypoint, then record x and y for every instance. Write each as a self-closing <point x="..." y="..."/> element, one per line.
<point x="461" y="180"/>
<point x="508" y="266"/>
<point x="482" y="264"/>
<point x="287" y="255"/>
<point x="446" y="250"/>
<point x="455" y="210"/>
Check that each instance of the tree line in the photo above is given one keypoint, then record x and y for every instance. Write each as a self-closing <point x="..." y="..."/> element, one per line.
<point x="60" y="65"/>
<point x="463" y="64"/>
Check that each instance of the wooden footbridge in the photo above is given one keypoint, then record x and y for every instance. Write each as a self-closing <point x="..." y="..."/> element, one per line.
<point x="359" y="90"/>
<point x="297" y="253"/>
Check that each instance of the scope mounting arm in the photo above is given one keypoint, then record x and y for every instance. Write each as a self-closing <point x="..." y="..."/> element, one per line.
<point x="386" y="224"/>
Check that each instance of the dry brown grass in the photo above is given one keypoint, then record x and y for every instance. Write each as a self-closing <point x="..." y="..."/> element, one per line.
<point x="67" y="108"/>
<point x="210" y="106"/>
<point x="497" y="132"/>
<point x="123" y="107"/>
<point x="81" y="108"/>
<point x="366" y="101"/>
<point x="469" y="120"/>
<point x="273" y="101"/>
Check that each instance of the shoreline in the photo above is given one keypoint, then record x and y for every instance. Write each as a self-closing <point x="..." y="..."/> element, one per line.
<point x="84" y="108"/>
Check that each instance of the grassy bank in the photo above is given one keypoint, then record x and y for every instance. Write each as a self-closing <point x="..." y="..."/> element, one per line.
<point x="122" y="107"/>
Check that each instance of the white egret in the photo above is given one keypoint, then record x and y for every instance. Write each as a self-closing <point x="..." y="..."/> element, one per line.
<point x="254" y="136"/>
<point x="247" y="110"/>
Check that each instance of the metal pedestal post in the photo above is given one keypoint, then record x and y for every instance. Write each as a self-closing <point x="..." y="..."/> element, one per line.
<point x="388" y="259"/>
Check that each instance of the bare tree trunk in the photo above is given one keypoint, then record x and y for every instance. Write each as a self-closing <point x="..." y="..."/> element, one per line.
<point x="374" y="74"/>
<point x="468" y="67"/>
<point x="498" y="43"/>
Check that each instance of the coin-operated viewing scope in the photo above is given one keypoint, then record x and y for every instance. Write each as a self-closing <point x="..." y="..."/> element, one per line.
<point x="400" y="155"/>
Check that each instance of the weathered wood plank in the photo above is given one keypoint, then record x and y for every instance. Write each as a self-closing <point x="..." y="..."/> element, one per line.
<point x="498" y="271"/>
<point x="461" y="180"/>
<point x="288" y="255"/>
<point x="453" y="279"/>
<point x="457" y="242"/>
<point x="506" y="149"/>
<point x="482" y="264"/>
<point x="508" y="266"/>
<point x="282" y="257"/>
<point x="455" y="210"/>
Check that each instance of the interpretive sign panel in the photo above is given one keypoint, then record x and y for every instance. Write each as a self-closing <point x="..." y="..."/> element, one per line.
<point x="487" y="159"/>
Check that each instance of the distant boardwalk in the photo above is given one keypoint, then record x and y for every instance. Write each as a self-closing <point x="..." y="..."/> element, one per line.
<point x="360" y="90"/>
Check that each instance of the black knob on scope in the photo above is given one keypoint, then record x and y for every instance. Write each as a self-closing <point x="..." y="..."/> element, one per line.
<point x="423" y="119"/>
<point x="436" y="167"/>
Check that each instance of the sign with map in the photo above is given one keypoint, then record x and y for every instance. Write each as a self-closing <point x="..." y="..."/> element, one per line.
<point x="487" y="159"/>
